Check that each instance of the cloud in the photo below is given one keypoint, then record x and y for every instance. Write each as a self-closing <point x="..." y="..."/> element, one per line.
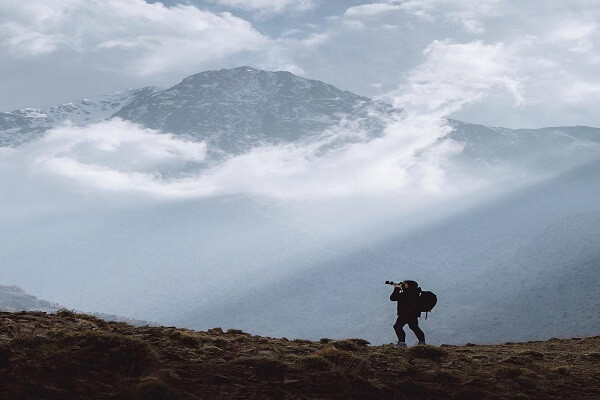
<point x="370" y="10"/>
<point x="411" y="161"/>
<point x="132" y="35"/>
<point x="118" y="156"/>
<point x="467" y="13"/>
<point x="268" y="6"/>
<point x="457" y="74"/>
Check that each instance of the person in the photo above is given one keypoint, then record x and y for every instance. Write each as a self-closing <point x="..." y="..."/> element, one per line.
<point x="406" y="294"/>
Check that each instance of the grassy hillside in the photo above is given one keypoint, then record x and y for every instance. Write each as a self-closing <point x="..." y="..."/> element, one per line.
<point x="75" y="356"/>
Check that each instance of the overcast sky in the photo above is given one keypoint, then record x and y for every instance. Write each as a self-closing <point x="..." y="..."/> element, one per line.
<point x="543" y="56"/>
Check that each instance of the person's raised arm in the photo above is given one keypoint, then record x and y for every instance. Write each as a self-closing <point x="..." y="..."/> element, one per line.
<point x="395" y="296"/>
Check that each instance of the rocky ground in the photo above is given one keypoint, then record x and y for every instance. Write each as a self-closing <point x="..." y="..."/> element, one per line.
<point x="76" y="356"/>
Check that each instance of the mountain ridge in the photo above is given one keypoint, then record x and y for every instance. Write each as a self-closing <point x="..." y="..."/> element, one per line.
<point x="236" y="110"/>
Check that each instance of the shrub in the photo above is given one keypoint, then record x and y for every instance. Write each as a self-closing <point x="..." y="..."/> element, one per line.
<point x="445" y="377"/>
<point x="426" y="352"/>
<point x="563" y="369"/>
<point x="66" y="313"/>
<point x="117" y="352"/>
<point x="343" y="360"/>
<point x="5" y="355"/>
<point x="469" y="394"/>
<point x="509" y="372"/>
<point x="301" y="341"/>
<point x="346" y="345"/>
<point x="531" y="354"/>
<point x="186" y="340"/>
<point x="360" y="342"/>
<point x="315" y="363"/>
<point x="265" y="367"/>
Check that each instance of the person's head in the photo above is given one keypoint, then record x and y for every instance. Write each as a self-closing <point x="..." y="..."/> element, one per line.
<point x="409" y="285"/>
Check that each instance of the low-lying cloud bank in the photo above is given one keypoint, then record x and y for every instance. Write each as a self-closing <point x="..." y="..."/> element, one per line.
<point x="409" y="162"/>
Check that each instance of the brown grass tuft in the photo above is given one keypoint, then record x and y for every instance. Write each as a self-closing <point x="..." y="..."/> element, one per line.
<point x="314" y="362"/>
<point x="347" y="345"/>
<point x="426" y="352"/>
<point x="265" y="367"/>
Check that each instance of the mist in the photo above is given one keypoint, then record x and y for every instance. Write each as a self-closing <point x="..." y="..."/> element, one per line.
<point x="113" y="217"/>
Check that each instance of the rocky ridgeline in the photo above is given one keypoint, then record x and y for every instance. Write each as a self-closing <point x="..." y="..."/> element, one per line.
<point x="74" y="356"/>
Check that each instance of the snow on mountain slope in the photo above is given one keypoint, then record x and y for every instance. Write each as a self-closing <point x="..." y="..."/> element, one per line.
<point x="27" y="124"/>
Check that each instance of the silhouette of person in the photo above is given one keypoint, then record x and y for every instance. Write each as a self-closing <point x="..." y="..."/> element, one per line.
<point x="406" y="294"/>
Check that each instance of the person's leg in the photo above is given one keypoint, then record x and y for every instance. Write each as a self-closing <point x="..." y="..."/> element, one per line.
<point x="413" y="324"/>
<point x="400" y="322"/>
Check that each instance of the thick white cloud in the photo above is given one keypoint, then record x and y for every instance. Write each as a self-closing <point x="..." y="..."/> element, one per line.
<point x="457" y="74"/>
<point x="130" y="35"/>
<point x="117" y="156"/>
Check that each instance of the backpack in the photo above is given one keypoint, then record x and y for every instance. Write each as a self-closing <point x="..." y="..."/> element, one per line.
<point x="427" y="300"/>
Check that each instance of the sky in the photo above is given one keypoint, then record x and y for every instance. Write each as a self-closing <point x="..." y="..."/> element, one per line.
<point x="97" y="216"/>
<point x="543" y="55"/>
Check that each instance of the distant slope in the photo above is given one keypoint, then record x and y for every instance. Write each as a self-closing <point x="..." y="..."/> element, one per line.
<point x="544" y="150"/>
<point x="523" y="267"/>
<point x="73" y="356"/>
<point x="15" y="299"/>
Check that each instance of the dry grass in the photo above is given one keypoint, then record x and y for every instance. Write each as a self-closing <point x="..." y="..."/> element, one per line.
<point x="72" y="356"/>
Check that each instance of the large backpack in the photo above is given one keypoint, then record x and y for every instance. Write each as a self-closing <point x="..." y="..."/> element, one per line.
<point x="427" y="300"/>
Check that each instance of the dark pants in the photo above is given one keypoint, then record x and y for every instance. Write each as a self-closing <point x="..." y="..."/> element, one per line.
<point x="413" y="324"/>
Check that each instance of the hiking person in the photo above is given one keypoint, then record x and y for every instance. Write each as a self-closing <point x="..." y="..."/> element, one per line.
<point x="406" y="294"/>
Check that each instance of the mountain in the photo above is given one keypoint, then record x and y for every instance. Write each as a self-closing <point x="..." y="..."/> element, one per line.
<point x="238" y="109"/>
<point x="74" y="356"/>
<point x="28" y="124"/>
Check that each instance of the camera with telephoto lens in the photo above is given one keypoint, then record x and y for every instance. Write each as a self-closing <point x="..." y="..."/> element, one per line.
<point x="391" y="283"/>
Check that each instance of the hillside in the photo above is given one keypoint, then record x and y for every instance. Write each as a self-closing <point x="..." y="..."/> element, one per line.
<point x="15" y="299"/>
<point x="503" y="270"/>
<point x="72" y="356"/>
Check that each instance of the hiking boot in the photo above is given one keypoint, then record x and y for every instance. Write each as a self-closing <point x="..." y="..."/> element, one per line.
<point x="401" y="344"/>
<point x="419" y="343"/>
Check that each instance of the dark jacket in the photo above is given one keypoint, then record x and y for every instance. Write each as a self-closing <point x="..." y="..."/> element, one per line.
<point x="408" y="302"/>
